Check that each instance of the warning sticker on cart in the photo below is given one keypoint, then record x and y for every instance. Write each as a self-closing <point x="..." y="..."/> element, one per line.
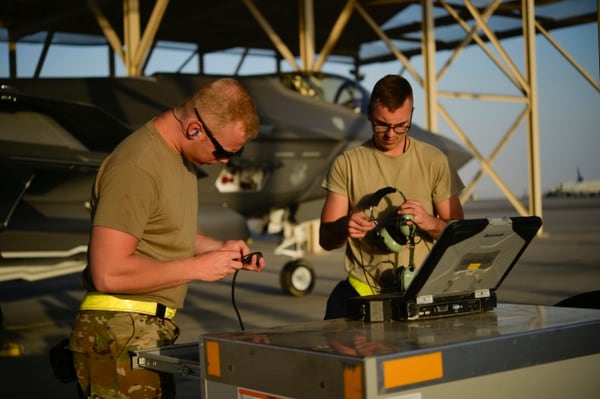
<point x="244" y="393"/>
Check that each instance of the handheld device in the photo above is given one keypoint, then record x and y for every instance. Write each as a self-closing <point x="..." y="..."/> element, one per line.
<point x="248" y="258"/>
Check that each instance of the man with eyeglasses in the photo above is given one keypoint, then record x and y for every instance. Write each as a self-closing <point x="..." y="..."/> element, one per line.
<point x="144" y="244"/>
<point x="423" y="185"/>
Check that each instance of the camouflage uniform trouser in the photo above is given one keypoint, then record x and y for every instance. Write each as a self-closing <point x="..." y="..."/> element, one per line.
<point x="101" y="342"/>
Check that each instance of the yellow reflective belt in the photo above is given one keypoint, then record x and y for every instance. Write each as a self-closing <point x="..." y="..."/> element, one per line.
<point x="360" y="286"/>
<point x="96" y="301"/>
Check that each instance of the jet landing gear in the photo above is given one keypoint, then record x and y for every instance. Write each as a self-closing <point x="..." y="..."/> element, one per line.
<point x="297" y="278"/>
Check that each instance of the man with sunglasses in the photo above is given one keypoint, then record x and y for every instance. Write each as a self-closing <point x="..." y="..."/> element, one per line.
<point x="425" y="187"/>
<point x="144" y="244"/>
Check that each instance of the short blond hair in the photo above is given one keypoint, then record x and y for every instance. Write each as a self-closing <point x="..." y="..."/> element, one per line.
<point x="227" y="101"/>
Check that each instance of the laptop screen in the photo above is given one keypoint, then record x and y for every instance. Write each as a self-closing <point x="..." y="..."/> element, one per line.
<point x="473" y="256"/>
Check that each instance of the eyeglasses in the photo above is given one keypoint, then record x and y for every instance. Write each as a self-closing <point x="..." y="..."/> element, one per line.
<point x="381" y="127"/>
<point x="219" y="152"/>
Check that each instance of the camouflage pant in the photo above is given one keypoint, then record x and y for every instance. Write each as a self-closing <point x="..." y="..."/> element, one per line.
<point x="101" y="342"/>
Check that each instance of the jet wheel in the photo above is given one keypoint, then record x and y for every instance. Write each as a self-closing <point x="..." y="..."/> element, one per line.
<point x="297" y="278"/>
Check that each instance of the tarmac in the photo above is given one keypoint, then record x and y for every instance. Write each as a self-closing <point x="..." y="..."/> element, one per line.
<point x="563" y="261"/>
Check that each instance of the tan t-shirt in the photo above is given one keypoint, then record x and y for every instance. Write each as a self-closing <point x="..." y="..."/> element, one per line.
<point x="146" y="189"/>
<point x="422" y="173"/>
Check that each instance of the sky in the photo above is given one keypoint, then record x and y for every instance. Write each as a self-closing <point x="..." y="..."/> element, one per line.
<point x="569" y="106"/>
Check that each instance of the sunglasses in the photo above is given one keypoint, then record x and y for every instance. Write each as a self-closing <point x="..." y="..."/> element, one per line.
<point x="219" y="152"/>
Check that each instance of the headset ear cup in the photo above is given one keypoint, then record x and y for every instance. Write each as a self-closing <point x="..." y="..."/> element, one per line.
<point x="407" y="275"/>
<point x="400" y="231"/>
<point x="384" y="239"/>
<point x="388" y="243"/>
<point x="405" y="229"/>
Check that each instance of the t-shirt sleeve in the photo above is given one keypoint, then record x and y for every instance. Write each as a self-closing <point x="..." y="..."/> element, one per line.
<point x="336" y="178"/>
<point x="126" y="199"/>
<point x="448" y="182"/>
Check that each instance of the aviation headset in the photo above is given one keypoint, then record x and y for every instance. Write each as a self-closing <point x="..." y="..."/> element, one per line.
<point x="393" y="234"/>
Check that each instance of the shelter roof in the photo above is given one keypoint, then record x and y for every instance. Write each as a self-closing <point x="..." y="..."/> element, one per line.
<point x="225" y="24"/>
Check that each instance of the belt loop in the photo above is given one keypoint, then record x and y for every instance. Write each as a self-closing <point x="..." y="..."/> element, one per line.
<point x="160" y="310"/>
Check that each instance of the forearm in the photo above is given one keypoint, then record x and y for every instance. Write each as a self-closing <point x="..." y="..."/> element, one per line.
<point x="335" y="218"/>
<point x="333" y="235"/>
<point x="116" y="267"/>
<point x="204" y="243"/>
<point x="138" y="274"/>
<point x="435" y="227"/>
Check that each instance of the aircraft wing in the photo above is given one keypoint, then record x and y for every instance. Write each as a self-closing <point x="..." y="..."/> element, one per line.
<point x="46" y="175"/>
<point x="44" y="209"/>
<point x="36" y="157"/>
<point x="50" y="151"/>
<point x="457" y="155"/>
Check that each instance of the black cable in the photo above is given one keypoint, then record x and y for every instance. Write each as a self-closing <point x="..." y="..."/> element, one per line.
<point x="237" y="312"/>
<point x="362" y="266"/>
<point x="246" y="260"/>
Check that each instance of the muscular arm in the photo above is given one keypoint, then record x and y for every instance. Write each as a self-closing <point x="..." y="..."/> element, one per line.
<point x="116" y="268"/>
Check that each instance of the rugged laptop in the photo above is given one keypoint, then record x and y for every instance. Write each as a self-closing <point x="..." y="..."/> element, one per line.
<point x="460" y="275"/>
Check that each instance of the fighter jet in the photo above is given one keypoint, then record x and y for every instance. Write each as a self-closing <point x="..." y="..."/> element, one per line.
<point x="54" y="133"/>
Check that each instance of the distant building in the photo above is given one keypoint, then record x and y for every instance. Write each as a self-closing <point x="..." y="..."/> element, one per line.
<point x="575" y="189"/>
